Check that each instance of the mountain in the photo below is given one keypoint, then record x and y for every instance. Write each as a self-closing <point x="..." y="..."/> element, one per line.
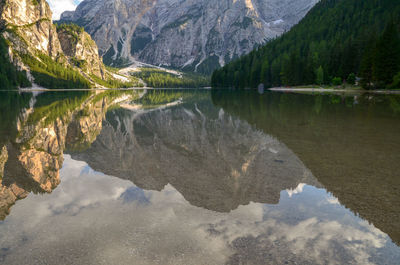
<point x="52" y="56"/>
<point x="336" y="41"/>
<point x="188" y="34"/>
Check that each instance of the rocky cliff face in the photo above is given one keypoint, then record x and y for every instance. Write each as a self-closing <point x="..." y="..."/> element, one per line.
<point x="191" y="34"/>
<point x="29" y="29"/>
<point x="82" y="50"/>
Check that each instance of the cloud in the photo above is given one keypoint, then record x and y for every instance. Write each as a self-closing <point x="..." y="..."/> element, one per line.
<point x="59" y="6"/>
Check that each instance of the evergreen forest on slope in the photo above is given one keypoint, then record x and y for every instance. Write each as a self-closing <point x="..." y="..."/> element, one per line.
<point x="338" y="41"/>
<point x="10" y="77"/>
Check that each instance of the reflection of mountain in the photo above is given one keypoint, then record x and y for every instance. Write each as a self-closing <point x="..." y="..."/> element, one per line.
<point x="213" y="160"/>
<point x="31" y="160"/>
<point x="350" y="144"/>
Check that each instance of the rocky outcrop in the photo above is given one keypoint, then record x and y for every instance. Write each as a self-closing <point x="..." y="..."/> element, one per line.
<point x="191" y="34"/>
<point x="29" y="30"/>
<point x="30" y="27"/>
<point x="25" y="12"/>
<point x="82" y="50"/>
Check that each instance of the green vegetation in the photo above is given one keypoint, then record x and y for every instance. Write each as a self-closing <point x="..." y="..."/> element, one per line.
<point x="336" y="38"/>
<point x="111" y="82"/>
<point x="50" y="73"/>
<point x="10" y="77"/>
<point x="71" y="29"/>
<point x="336" y="81"/>
<point x="161" y="79"/>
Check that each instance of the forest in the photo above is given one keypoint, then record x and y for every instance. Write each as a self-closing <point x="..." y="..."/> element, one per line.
<point x="338" y="42"/>
<point x="10" y="77"/>
<point x="51" y="73"/>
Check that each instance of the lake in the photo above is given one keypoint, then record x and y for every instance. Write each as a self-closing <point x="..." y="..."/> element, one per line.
<point x="199" y="177"/>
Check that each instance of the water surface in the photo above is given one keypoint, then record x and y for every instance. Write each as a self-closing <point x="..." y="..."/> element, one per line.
<point x="199" y="177"/>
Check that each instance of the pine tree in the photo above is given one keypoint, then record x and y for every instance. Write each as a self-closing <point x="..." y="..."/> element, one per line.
<point x="351" y="79"/>
<point x="387" y="56"/>
<point x="320" y="75"/>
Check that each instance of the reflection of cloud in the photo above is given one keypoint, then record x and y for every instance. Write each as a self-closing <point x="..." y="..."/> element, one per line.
<point x="70" y="198"/>
<point x="332" y="200"/>
<point x="85" y="220"/>
<point x="297" y="190"/>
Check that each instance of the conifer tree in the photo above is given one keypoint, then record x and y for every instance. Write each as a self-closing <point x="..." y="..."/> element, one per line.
<point x="320" y="75"/>
<point x="387" y="56"/>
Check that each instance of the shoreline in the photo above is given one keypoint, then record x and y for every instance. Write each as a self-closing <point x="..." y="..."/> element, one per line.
<point x="330" y="90"/>
<point x="25" y="90"/>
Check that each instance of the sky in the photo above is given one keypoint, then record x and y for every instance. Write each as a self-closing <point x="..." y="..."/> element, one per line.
<point x="59" y="6"/>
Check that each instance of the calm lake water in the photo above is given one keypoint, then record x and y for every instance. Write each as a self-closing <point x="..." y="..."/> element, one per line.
<point x="199" y="177"/>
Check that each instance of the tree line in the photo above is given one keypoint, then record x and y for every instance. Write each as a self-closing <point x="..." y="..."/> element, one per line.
<point x="161" y="79"/>
<point x="52" y="74"/>
<point x="338" y="41"/>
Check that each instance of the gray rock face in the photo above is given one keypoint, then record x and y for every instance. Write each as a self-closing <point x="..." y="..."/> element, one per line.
<point x="82" y="50"/>
<point x="196" y="34"/>
<point x="29" y="29"/>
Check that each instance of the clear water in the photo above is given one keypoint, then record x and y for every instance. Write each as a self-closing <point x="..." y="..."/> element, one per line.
<point x="199" y="177"/>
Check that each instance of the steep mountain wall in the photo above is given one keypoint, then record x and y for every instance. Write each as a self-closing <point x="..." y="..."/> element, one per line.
<point x="83" y="51"/>
<point x="29" y="27"/>
<point x="52" y="55"/>
<point x="191" y="34"/>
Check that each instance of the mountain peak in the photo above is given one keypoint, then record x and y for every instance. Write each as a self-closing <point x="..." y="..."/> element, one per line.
<point x="188" y="34"/>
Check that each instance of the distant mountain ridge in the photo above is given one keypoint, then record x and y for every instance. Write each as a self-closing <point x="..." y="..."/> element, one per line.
<point x="188" y="34"/>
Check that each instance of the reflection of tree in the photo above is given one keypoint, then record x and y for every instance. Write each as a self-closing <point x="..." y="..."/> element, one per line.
<point x="12" y="105"/>
<point x="394" y="104"/>
<point x="351" y="151"/>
